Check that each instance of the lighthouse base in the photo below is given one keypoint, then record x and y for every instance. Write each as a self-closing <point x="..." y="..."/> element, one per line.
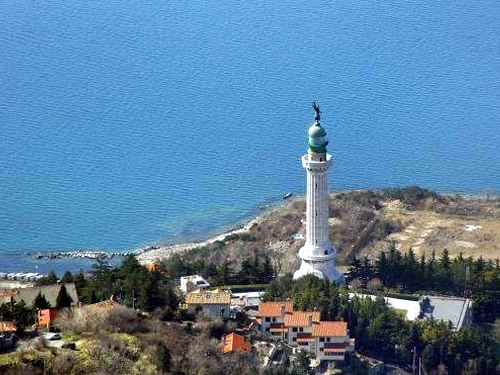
<point x="323" y="270"/>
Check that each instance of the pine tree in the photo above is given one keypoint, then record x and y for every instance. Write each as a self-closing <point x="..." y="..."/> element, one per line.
<point x="163" y="358"/>
<point x="41" y="302"/>
<point x="67" y="278"/>
<point x="93" y="297"/>
<point x="267" y="270"/>
<point x="63" y="299"/>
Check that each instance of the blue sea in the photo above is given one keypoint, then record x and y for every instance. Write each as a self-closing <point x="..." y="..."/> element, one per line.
<point x="129" y="123"/>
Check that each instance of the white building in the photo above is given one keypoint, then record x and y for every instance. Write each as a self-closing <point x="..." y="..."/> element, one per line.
<point x="194" y="282"/>
<point x="328" y="341"/>
<point x="317" y="254"/>
<point x="456" y="310"/>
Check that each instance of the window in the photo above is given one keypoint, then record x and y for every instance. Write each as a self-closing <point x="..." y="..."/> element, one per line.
<point x="294" y="338"/>
<point x="274" y="320"/>
<point x="268" y="320"/>
<point x="267" y="329"/>
<point x="301" y="329"/>
<point x="327" y="339"/>
<point x="321" y="339"/>
<point x="294" y="329"/>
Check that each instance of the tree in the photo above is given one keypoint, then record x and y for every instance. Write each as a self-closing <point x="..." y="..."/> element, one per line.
<point x="63" y="299"/>
<point x="302" y="364"/>
<point x="50" y="279"/>
<point x="93" y="297"/>
<point x="41" y="302"/>
<point x="430" y="357"/>
<point x="67" y="277"/>
<point x="22" y="315"/>
<point x="224" y="274"/>
<point x="163" y="358"/>
<point x="267" y="270"/>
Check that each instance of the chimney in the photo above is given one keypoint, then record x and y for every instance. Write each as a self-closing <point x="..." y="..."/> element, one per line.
<point x="310" y="320"/>
<point x="283" y="309"/>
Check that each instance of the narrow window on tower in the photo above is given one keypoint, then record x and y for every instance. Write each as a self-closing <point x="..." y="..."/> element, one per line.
<point x="316" y="185"/>
<point x="316" y="212"/>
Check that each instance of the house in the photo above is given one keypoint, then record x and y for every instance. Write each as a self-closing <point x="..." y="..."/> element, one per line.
<point x="194" y="282"/>
<point x="232" y="342"/>
<point x="50" y="292"/>
<point x="271" y="316"/>
<point x="328" y="341"/>
<point x="211" y="302"/>
<point x="7" y="327"/>
<point x="46" y="317"/>
<point x="247" y="299"/>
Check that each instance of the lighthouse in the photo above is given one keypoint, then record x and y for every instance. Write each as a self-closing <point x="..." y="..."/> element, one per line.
<point x="317" y="254"/>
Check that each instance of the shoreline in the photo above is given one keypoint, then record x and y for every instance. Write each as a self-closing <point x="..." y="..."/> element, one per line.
<point x="155" y="252"/>
<point x="151" y="253"/>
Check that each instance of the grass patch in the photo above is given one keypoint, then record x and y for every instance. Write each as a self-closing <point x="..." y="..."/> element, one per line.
<point x="243" y="288"/>
<point x="7" y="359"/>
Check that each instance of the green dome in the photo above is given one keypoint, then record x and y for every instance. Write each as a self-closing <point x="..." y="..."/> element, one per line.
<point x="316" y="131"/>
<point x="317" y="139"/>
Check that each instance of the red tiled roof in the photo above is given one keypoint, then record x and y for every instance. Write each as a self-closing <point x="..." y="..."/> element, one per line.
<point x="233" y="342"/>
<point x="274" y="309"/>
<point x="301" y="318"/>
<point x="330" y="329"/>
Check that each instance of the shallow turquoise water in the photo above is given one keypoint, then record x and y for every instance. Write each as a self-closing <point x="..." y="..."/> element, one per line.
<point x="129" y="123"/>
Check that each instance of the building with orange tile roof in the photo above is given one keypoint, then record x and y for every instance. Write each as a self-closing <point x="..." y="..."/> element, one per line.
<point x="46" y="317"/>
<point x="301" y="318"/>
<point x="330" y="329"/>
<point x="233" y="342"/>
<point x="274" y="309"/>
<point x="304" y="329"/>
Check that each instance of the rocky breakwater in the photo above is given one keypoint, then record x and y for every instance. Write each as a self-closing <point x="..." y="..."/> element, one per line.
<point x="81" y="254"/>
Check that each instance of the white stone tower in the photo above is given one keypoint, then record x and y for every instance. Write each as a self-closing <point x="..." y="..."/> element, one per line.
<point x="317" y="254"/>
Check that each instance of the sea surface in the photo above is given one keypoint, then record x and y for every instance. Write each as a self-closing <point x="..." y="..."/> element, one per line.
<point x="130" y="123"/>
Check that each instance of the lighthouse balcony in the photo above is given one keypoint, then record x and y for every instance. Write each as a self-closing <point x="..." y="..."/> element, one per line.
<point x="317" y="253"/>
<point x="318" y="162"/>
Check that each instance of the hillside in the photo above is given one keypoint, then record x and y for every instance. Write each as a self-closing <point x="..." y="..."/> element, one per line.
<point x="365" y="223"/>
